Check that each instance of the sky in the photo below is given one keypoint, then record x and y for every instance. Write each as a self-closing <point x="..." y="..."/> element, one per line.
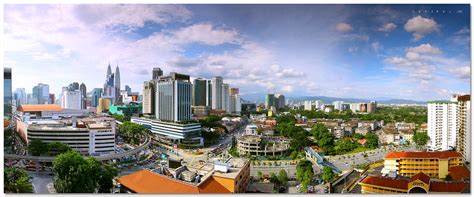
<point x="419" y="52"/>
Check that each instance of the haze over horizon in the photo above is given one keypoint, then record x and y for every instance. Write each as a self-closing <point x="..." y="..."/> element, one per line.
<point x="416" y="52"/>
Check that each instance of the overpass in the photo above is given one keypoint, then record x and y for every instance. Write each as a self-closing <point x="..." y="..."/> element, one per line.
<point x="99" y="158"/>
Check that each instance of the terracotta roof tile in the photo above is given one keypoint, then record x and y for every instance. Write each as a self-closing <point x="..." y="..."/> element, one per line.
<point x="422" y="177"/>
<point x="459" y="172"/>
<point x="439" y="155"/>
<point x="41" y="107"/>
<point x="386" y="182"/>
<point x="448" y="187"/>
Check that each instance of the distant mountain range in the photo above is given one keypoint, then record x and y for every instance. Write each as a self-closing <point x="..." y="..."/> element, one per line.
<point x="260" y="98"/>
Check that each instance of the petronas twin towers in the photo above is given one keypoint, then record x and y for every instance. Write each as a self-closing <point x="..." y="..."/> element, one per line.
<point x="112" y="85"/>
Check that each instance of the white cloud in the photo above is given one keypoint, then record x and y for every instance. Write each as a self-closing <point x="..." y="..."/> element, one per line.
<point x="463" y="72"/>
<point x="425" y="49"/>
<point x="387" y="27"/>
<point x="343" y="27"/>
<point x="376" y="46"/>
<point x="421" y="26"/>
<point x="207" y="34"/>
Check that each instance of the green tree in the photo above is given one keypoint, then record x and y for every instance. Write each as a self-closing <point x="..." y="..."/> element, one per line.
<point x="55" y="148"/>
<point x="358" y="136"/>
<point x="327" y="175"/>
<point x="344" y="145"/>
<point x="16" y="180"/>
<point x="76" y="174"/>
<point x="421" y="138"/>
<point x="326" y="142"/>
<point x="304" y="173"/>
<point x="37" y="147"/>
<point x="318" y="131"/>
<point x="372" y="140"/>
<point x="131" y="132"/>
<point x="283" y="178"/>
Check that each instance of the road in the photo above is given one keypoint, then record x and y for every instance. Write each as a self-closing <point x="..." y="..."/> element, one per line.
<point x="40" y="181"/>
<point x="345" y="162"/>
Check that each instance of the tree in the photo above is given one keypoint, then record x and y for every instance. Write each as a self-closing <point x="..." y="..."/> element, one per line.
<point x="131" y="132"/>
<point x="37" y="147"/>
<point x="372" y="140"/>
<point x="283" y="178"/>
<point x="318" y="131"/>
<point x="421" y="138"/>
<point x="326" y="142"/>
<point x="55" y="148"/>
<point x="328" y="174"/>
<point x="16" y="180"/>
<point x="344" y="145"/>
<point x="76" y="174"/>
<point x="304" y="173"/>
<point x="358" y="136"/>
<point x="121" y="118"/>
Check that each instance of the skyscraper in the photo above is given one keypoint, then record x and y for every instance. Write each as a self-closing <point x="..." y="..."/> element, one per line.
<point x="216" y="89"/>
<point x="149" y="97"/>
<point x="208" y="93"/>
<point x="338" y="105"/>
<point x="225" y="97"/>
<point x="83" y="90"/>
<point x="280" y="101"/>
<point x="157" y="73"/>
<point x="128" y="89"/>
<point x="173" y="98"/>
<point x="41" y="93"/>
<point x="52" y="98"/>
<point x="235" y="105"/>
<point x="463" y="137"/>
<point x="117" y="84"/>
<point x="269" y="101"/>
<point x="111" y="89"/>
<point x="20" y="96"/>
<point x="372" y="106"/>
<point x="96" y="94"/>
<point x="199" y="92"/>
<point x="7" y="92"/>
<point x="442" y="125"/>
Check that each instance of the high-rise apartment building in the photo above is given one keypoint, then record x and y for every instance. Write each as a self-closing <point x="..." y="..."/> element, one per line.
<point x="149" y="97"/>
<point x="280" y="101"/>
<point x="235" y="105"/>
<point x="442" y="125"/>
<point x="319" y="104"/>
<point x="463" y="137"/>
<point x="216" y="90"/>
<point x="173" y="98"/>
<point x="52" y="98"/>
<point x="225" y="97"/>
<point x="199" y="92"/>
<point x="308" y="105"/>
<point x="371" y="106"/>
<point x="338" y="105"/>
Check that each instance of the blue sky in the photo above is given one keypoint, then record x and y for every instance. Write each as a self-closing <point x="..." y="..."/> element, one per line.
<point x="419" y="52"/>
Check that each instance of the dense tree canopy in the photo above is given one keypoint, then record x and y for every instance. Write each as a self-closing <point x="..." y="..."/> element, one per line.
<point x="76" y="174"/>
<point x="327" y="174"/>
<point x="372" y="140"/>
<point x="37" y="147"/>
<point x="16" y="180"/>
<point x="131" y="132"/>
<point x="421" y="138"/>
<point x="304" y="173"/>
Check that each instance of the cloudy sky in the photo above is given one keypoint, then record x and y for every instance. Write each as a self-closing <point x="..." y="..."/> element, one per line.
<point x="419" y="52"/>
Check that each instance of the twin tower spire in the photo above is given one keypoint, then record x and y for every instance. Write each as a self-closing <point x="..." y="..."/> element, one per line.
<point x="116" y="75"/>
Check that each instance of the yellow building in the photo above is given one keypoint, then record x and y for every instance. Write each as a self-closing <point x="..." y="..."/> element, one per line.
<point x="104" y="104"/>
<point x="419" y="183"/>
<point x="433" y="164"/>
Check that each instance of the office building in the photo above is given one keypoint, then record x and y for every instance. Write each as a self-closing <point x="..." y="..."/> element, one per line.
<point x="434" y="164"/>
<point x="225" y="97"/>
<point x="103" y="106"/>
<point x="149" y="97"/>
<point x="96" y="94"/>
<point x="199" y="92"/>
<point x="280" y="101"/>
<point x="131" y="109"/>
<point x="209" y="93"/>
<point x="216" y="95"/>
<point x="52" y="99"/>
<point x="442" y="125"/>
<point x="128" y="89"/>
<point x="83" y="90"/>
<point x="111" y="88"/>
<point x="463" y="137"/>
<point x="171" y="133"/>
<point x="70" y="99"/>
<point x="20" y="97"/>
<point x="235" y="104"/>
<point x="269" y="101"/>
<point x="173" y="98"/>
<point x="41" y="93"/>
<point x="157" y="73"/>
<point x="7" y="92"/>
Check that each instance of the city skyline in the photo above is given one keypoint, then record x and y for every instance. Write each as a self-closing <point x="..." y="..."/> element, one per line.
<point x="356" y="51"/>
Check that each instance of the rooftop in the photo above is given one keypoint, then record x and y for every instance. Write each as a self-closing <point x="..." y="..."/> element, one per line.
<point x="459" y="173"/>
<point x="438" y="155"/>
<point x="39" y="108"/>
<point x="386" y="182"/>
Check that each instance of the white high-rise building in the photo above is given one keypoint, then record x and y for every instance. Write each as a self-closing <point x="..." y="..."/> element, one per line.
<point x="70" y="99"/>
<point x="216" y="90"/>
<point x="20" y="96"/>
<point x="225" y="97"/>
<point x="308" y="105"/>
<point x="235" y="104"/>
<point x="148" y="106"/>
<point x="463" y="138"/>
<point x="318" y="104"/>
<point x="355" y="107"/>
<point x="442" y="126"/>
<point x="338" y="105"/>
